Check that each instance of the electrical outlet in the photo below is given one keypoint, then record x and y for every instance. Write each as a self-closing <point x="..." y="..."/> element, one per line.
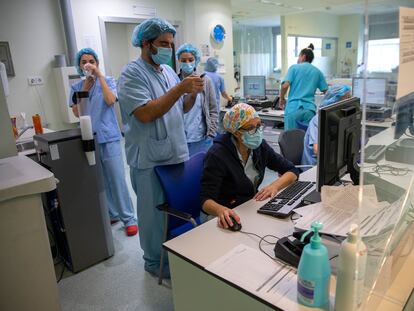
<point x="35" y="80"/>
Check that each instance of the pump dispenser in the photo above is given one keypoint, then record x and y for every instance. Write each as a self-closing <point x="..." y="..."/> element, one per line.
<point x="351" y="272"/>
<point x="314" y="271"/>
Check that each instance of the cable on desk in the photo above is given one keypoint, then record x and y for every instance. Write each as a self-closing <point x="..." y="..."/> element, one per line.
<point x="261" y="238"/>
<point x="61" y="273"/>
<point x="388" y="169"/>
<point x="294" y="219"/>
<point x="333" y="257"/>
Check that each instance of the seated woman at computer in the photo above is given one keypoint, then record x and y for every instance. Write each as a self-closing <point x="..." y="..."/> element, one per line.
<point x="235" y="165"/>
<point x="334" y="94"/>
<point x="303" y="79"/>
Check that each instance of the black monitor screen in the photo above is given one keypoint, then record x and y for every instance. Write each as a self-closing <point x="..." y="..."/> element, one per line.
<point x="404" y="115"/>
<point x="254" y="86"/>
<point x="338" y="141"/>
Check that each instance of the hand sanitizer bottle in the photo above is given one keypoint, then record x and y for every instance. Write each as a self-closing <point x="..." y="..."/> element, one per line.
<point x="314" y="271"/>
<point x="350" y="272"/>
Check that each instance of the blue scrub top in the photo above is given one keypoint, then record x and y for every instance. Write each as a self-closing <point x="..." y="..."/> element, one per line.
<point x="103" y="116"/>
<point x="195" y="121"/>
<point x="304" y="79"/>
<point x="311" y="138"/>
<point x="218" y="82"/>
<point x="160" y="142"/>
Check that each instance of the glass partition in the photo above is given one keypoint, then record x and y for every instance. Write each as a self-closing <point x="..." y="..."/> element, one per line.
<point x="386" y="211"/>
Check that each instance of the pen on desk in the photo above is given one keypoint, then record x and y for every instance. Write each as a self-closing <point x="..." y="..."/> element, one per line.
<point x="271" y="277"/>
<point x="278" y="281"/>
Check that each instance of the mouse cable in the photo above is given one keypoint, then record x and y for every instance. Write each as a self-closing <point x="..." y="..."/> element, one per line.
<point x="333" y="257"/>
<point x="262" y="238"/>
<point x="61" y="273"/>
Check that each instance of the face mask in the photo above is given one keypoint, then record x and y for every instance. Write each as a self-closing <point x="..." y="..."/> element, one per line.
<point x="87" y="73"/>
<point x="252" y="141"/>
<point x="163" y="55"/>
<point x="187" y="67"/>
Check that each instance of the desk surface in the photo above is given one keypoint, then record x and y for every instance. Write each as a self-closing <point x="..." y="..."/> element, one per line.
<point x="200" y="246"/>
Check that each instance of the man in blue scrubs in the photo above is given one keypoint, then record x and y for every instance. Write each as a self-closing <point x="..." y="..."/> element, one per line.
<point x="303" y="79"/>
<point x="153" y="101"/>
<point x="211" y="68"/>
<point x="310" y="145"/>
<point x="100" y="107"/>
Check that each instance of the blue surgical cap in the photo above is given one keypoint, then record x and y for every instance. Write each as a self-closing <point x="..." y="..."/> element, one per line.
<point x="334" y="94"/>
<point x="79" y="56"/>
<point x="189" y="48"/>
<point x="212" y="64"/>
<point x="151" y="29"/>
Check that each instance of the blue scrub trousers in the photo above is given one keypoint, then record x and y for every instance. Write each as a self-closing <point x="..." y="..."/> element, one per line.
<point x="118" y="199"/>
<point x="303" y="115"/>
<point x="150" y="220"/>
<point x="199" y="146"/>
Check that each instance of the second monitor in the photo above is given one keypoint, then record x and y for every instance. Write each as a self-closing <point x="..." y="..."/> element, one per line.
<point x="254" y="87"/>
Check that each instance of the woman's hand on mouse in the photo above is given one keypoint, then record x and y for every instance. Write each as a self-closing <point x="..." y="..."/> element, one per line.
<point x="267" y="192"/>
<point x="223" y="217"/>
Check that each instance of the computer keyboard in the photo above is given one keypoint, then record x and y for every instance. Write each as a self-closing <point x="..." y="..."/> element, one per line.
<point x="374" y="153"/>
<point x="287" y="200"/>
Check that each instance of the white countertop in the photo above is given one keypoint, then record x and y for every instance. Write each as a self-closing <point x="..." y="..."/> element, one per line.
<point x="21" y="176"/>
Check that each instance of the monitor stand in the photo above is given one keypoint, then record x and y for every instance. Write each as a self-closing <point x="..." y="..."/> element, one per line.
<point x="312" y="198"/>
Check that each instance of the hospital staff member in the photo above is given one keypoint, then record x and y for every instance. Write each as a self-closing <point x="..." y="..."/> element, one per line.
<point x="303" y="79"/>
<point x="211" y="67"/>
<point x="334" y="94"/>
<point x="200" y="123"/>
<point x="100" y="107"/>
<point x="235" y="165"/>
<point x="153" y="101"/>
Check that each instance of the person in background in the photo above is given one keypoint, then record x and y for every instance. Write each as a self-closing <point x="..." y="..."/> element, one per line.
<point x="210" y="69"/>
<point x="153" y="101"/>
<point x="200" y="122"/>
<point x="100" y="107"/>
<point x="334" y="94"/>
<point x="234" y="166"/>
<point x="303" y="79"/>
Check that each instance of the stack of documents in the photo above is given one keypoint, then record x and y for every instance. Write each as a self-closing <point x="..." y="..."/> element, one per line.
<point x="340" y="208"/>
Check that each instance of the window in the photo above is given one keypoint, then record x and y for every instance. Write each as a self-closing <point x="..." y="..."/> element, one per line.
<point x="383" y="55"/>
<point x="296" y="44"/>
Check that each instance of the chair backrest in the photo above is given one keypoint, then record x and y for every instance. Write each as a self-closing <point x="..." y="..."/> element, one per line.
<point x="291" y="145"/>
<point x="302" y="125"/>
<point x="181" y="183"/>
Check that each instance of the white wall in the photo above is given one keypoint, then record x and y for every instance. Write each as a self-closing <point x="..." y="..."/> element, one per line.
<point x="116" y="35"/>
<point x="347" y="28"/>
<point x="33" y="46"/>
<point x="200" y="17"/>
<point x="35" y="34"/>
<point x="86" y="17"/>
<point x="350" y="30"/>
<point x="309" y="25"/>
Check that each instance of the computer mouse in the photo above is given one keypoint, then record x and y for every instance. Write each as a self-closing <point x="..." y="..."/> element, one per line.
<point x="236" y="226"/>
<point x="265" y="110"/>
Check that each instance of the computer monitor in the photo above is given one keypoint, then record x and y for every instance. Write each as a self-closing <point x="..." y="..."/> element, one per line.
<point x="376" y="91"/>
<point x="404" y="115"/>
<point x="339" y="142"/>
<point x="254" y="87"/>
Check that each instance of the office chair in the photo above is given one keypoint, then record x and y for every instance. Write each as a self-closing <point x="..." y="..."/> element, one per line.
<point x="181" y="185"/>
<point x="302" y="125"/>
<point x="291" y="146"/>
